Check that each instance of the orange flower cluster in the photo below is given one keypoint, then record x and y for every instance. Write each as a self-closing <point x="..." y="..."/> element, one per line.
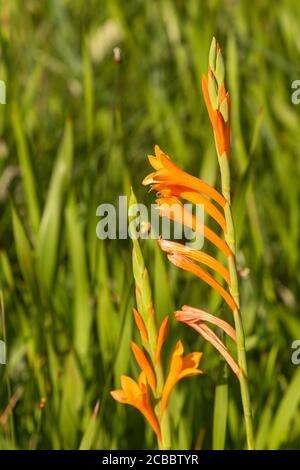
<point x="173" y="184"/>
<point x="145" y="394"/>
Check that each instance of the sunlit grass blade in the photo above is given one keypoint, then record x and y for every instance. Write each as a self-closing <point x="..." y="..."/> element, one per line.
<point x="29" y="179"/>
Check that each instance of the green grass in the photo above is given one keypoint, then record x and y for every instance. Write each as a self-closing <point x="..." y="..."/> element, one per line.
<point x="74" y="133"/>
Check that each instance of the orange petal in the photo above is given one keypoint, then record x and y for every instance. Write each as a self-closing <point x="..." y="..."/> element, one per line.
<point x="155" y="162"/>
<point x="184" y="263"/>
<point x="175" y="368"/>
<point x="161" y="338"/>
<point x="130" y="388"/>
<point x="181" y="215"/>
<point x="211" y="112"/>
<point x="191" y="361"/>
<point x="119" y="396"/>
<point x="144" y="364"/>
<point x="170" y="173"/>
<point x="194" y="197"/>
<point x="220" y="134"/>
<point x="221" y="93"/>
<point x="195" y="315"/>
<point x="141" y="325"/>
<point x="197" y="255"/>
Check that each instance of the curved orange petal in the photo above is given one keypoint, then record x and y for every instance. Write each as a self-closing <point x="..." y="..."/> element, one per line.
<point x="191" y="196"/>
<point x="175" y="368"/>
<point x="191" y="361"/>
<point x="161" y="338"/>
<point x="119" y="396"/>
<point x="140" y="325"/>
<point x="155" y="162"/>
<point x="182" y="262"/>
<point x="183" y="216"/>
<point x="195" y="315"/>
<point x="144" y="364"/>
<point x="196" y="255"/>
<point x="212" y="338"/>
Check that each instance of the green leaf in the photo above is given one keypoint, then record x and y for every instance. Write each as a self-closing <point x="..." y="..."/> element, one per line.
<point x="50" y="229"/>
<point x="90" y="433"/>
<point x="285" y="413"/>
<point x="28" y="177"/>
<point x="24" y="251"/>
<point x="82" y="315"/>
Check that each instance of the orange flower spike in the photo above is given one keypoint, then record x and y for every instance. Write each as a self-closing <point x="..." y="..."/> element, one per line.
<point x="136" y="395"/>
<point x="140" y="325"/>
<point x="144" y="364"/>
<point x="161" y="338"/>
<point x="181" y="367"/>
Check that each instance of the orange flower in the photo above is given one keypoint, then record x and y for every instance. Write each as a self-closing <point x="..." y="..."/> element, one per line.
<point x="135" y="394"/>
<point x="181" y="367"/>
<point x="168" y="173"/>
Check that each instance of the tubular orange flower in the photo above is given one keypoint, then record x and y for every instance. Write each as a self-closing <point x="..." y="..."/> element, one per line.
<point x="184" y="263"/>
<point x="192" y="196"/>
<point x="135" y="394"/>
<point x="196" y="255"/>
<point x="181" y="367"/>
<point x="170" y="173"/>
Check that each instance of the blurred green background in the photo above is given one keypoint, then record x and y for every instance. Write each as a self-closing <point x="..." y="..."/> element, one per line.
<point x="74" y="133"/>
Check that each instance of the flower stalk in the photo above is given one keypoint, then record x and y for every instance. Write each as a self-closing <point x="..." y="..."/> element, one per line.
<point x="221" y="116"/>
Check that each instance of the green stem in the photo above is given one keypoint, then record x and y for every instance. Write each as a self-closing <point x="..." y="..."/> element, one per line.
<point x="234" y="290"/>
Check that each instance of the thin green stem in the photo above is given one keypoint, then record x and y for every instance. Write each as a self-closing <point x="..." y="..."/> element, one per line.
<point x="234" y="290"/>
